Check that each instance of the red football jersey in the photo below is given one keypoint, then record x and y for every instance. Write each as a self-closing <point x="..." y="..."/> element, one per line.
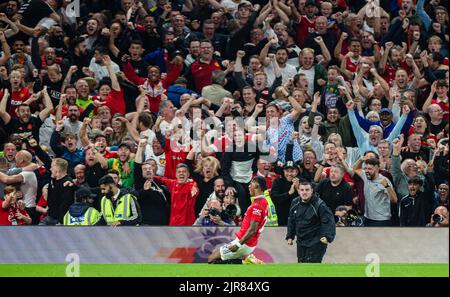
<point x="257" y="212"/>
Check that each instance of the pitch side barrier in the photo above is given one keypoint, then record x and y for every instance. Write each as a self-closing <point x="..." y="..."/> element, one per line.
<point x="96" y="245"/>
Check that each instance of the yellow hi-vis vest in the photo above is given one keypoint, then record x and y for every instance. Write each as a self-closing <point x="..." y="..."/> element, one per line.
<point x="122" y="211"/>
<point x="90" y="218"/>
<point x="272" y="218"/>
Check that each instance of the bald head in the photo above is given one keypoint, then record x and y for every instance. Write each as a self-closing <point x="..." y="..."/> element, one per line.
<point x="23" y="158"/>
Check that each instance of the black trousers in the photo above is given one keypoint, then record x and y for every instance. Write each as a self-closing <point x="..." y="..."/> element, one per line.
<point x="34" y="215"/>
<point x="372" y="223"/>
<point x="313" y="254"/>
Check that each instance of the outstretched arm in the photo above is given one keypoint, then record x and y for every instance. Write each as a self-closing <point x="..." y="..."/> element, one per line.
<point x="4" y="115"/>
<point x="47" y="103"/>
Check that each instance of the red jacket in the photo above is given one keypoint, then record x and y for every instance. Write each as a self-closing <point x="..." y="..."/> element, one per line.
<point x="155" y="90"/>
<point x="182" y="198"/>
<point x="174" y="157"/>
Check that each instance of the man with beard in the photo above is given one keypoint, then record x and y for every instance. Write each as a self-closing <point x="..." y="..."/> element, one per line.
<point x="72" y="124"/>
<point x="78" y="56"/>
<point x="25" y="125"/>
<point x="118" y="208"/>
<point x="379" y="194"/>
<point x="184" y="192"/>
<point x="150" y="38"/>
<point x="124" y="165"/>
<point x="96" y="166"/>
<point x="281" y="57"/>
<point x="284" y="190"/>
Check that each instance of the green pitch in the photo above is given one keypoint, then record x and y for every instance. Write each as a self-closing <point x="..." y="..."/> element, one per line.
<point x="205" y="270"/>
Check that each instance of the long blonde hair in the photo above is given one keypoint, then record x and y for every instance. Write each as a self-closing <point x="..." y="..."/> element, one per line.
<point x="215" y="165"/>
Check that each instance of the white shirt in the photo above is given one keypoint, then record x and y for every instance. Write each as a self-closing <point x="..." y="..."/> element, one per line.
<point x="160" y="161"/>
<point x="310" y="73"/>
<point x="148" y="149"/>
<point x="101" y="71"/>
<point x="29" y="188"/>
<point x="287" y="72"/>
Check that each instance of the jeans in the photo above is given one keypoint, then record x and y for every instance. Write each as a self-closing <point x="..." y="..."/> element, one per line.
<point x="313" y="254"/>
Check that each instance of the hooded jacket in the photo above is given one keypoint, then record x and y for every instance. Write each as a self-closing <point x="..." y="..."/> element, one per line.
<point x="310" y="221"/>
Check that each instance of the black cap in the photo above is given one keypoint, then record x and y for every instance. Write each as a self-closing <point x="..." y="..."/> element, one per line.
<point x="106" y="180"/>
<point x="415" y="180"/>
<point x="84" y="192"/>
<point x="290" y="164"/>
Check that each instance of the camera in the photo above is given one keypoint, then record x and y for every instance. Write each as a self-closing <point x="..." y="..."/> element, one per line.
<point x="353" y="219"/>
<point x="235" y="113"/>
<point x="229" y="212"/>
<point x="437" y="218"/>
<point x="213" y="212"/>
<point x="350" y="219"/>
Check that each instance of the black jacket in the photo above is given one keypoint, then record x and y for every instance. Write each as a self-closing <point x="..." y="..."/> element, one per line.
<point x="155" y="205"/>
<point x="416" y="211"/>
<point x="60" y="198"/>
<point x="310" y="221"/>
<point x="281" y="198"/>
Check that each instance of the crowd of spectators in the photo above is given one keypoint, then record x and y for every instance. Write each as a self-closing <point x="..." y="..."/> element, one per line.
<point x="150" y="112"/>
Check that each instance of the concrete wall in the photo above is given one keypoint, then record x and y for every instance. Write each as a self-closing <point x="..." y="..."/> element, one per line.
<point x="193" y="245"/>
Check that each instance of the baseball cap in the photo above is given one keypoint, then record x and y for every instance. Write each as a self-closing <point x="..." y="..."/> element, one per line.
<point x="244" y="3"/>
<point x="290" y="164"/>
<point x="83" y="192"/>
<point x="385" y="110"/>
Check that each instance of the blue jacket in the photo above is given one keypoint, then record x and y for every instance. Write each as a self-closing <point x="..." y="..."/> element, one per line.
<point x="362" y="137"/>
<point x="365" y="124"/>
<point x="174" y="93"/>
